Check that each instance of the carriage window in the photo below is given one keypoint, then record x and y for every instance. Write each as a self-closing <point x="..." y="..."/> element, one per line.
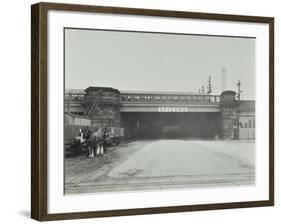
<point x="254" y="123"/>
<point x="250" y="123"/>
<point x="246" y="125"/>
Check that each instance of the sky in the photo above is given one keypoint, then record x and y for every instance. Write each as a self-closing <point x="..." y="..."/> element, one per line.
<point x="136" y="61"/>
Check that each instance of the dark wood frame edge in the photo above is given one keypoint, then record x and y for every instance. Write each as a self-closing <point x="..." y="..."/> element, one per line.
<point x="39" y="110"/>
<point x="271" y="111"/>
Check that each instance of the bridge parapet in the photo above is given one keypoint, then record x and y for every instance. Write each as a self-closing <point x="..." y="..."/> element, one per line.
<point x="152" y="98"/>
<point x="74" y="95"/>
<point x="168" y="98"/>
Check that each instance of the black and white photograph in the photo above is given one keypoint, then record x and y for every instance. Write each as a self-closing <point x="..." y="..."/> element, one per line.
<point x="146" y="111"/>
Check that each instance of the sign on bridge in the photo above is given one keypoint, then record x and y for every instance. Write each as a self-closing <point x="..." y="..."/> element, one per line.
<point x="172" y="109"/>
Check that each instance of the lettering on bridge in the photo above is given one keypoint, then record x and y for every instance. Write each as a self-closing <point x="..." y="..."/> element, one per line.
<point x="172" y="109"/>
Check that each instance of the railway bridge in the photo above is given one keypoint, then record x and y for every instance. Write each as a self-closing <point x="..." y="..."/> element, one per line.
<point x="158" y="114"/>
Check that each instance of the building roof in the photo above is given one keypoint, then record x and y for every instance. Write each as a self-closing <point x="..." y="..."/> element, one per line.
<point x="96" y="88"/>
<point x="228" y="92"/>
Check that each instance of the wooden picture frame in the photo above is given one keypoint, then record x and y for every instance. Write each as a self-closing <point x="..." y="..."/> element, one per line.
<point x="39" y="109"/>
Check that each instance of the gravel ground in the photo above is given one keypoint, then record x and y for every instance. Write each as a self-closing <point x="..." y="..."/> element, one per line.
<point x="78" y="167"/>
<point x="163" y="164"/>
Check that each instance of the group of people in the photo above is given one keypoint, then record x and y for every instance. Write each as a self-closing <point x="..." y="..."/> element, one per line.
<point x="94" y="141"/>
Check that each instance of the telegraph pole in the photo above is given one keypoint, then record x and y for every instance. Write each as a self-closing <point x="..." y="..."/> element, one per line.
<point x="209" y="87"/>
<point x="239" y="90"/>
<point x="203" y="89"/>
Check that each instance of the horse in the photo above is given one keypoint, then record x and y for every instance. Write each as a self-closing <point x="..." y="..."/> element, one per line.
<point x="98" y="136"/>
<point x="95" y="144"/>
<point x="86" y="140"/>
<point x="79" y="143"/>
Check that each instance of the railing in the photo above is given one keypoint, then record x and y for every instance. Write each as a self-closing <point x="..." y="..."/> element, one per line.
<point x="74" y="96"/>
<point x="169" y="98"/>
<point x="154" y="98"/>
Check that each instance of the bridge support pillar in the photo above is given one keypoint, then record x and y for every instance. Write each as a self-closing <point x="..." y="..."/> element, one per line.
<point x="105" y="112"/>
<point x="229" y="115"/>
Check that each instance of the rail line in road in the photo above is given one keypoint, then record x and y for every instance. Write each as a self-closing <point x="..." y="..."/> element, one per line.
<point x="94" y="172"/>
<point x="158" y="183"/>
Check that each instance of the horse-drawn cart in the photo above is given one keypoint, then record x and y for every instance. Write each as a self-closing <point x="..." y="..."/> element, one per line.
<point x="115" y="136"/>
<point x="106" y="137"/>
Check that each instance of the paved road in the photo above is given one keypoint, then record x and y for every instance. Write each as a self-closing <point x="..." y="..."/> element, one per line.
<point x="169" y="164"/>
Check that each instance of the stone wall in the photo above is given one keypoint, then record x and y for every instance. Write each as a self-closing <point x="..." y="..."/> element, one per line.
<point x="106" y="116"/>
<point x="229" y="115"/>
<point x="229" y="122"/>
<point x="106" y="112"/>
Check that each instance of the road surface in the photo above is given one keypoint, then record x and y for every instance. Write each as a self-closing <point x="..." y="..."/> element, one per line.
<point x="163" y="164"/>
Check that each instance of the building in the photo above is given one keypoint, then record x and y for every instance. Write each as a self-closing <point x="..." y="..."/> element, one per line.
<point x="165" y="114"/>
